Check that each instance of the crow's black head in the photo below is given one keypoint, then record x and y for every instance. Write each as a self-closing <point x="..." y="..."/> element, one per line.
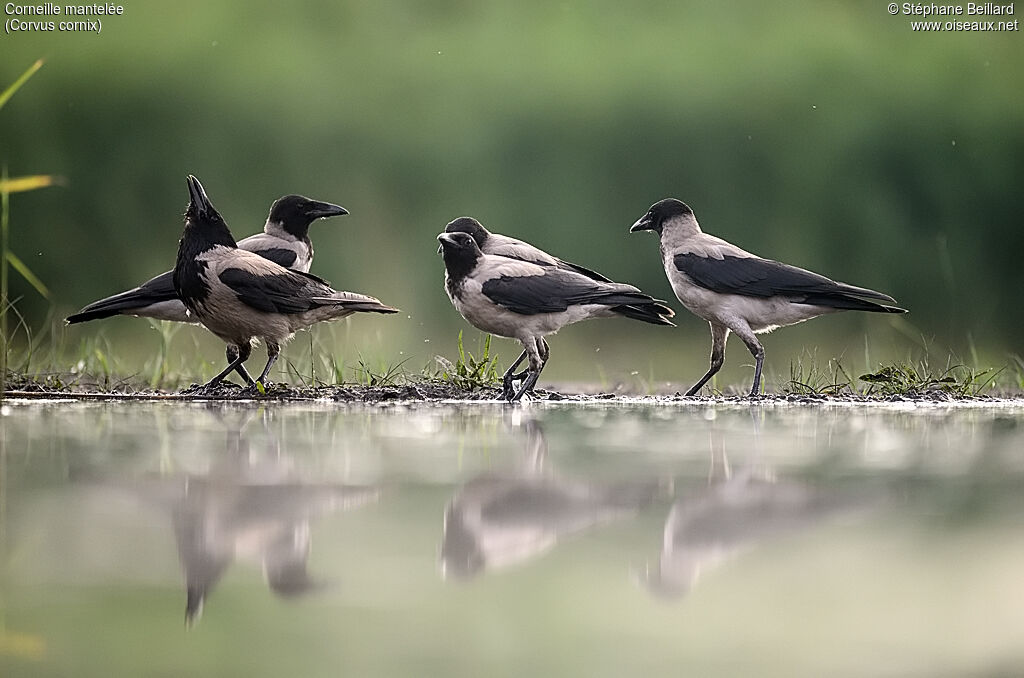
<point x="295" y="213"/>
<point x="460" y="254"/>
<point x="661" y="212"/>
<point x="471" y="226"/>
<point x="203" y="223"/>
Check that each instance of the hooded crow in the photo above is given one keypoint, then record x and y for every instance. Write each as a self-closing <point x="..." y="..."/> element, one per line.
<point x="241" y="296"/>
<point x="737" y="291"/>
<point x="504" y="246"/>
<point x="527" y="301"/>
<point x="284" y="240"/>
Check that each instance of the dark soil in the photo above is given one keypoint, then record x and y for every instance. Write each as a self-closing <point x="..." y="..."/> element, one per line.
<point x="430" y="391"/>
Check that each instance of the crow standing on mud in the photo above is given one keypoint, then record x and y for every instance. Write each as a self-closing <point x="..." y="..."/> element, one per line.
<point x="504" y="246"/>
<point x="526" y="301"/>
<point x="240" y="296"/>
<point x="284" y="240"/>
<point x="736" y="291"/>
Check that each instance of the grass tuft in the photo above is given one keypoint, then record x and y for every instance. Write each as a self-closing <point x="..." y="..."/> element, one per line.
<point x="469" y="371"/>
<point x="906" y="379"/>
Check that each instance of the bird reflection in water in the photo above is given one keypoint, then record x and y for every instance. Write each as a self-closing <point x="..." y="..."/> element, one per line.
<point x="497" y="520"/>
<point x="736" y="512"/>
<point x="251" y="509"/>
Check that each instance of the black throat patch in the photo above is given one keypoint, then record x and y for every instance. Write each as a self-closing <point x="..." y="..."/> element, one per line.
<point x="459" y="263"/>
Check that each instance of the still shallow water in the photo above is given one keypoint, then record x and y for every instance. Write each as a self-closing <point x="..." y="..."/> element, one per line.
<point x="623" y="540"/>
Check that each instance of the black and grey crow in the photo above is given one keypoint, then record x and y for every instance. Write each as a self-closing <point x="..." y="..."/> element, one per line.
<point x="737" y="291"/>
<point x="526" y="301"/>
<point x="504" y="246"/>
<point x="240" y="296"/>
<point x="284" y="240"/>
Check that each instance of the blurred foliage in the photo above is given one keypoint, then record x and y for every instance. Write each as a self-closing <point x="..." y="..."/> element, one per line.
<point x="828" y="135"/>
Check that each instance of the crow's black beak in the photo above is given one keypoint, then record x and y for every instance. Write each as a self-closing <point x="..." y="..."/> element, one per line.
<point x="320" y="210"/>
<point x="642" y="224"/>
<point x="198" y="202"/>
<point x="445" y="239"/>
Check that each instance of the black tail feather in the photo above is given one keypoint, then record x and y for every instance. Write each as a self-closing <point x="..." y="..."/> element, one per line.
<point x="154" y="291"/>
<point x="654" y="313"/>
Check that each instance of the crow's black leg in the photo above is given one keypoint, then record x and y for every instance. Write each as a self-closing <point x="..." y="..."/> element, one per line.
<point x="509" y="376"/>
<point x="527" y="386"/>
<point x="755" y="390"/>
<point x="536" y="349"/>
<point x="756" y="350"/>
<point x="241" y="354"/>
<point x="545" y="351"/>
<point x="231" y="353"/>
<point x="719" y="335"/>
<point x="273" y="351"/>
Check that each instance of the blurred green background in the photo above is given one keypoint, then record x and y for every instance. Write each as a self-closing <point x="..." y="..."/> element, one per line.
<point x="828" y="135"/>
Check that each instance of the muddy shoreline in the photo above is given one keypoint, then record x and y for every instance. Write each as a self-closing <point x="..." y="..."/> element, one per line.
<point x="440" y="391"/>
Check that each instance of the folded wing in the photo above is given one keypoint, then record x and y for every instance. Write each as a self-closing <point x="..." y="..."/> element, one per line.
<point x="756" y="277"/>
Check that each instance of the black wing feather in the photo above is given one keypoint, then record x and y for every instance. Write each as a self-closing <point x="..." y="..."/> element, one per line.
<point x="288" y="294"/>
<point x="756" y="277"/>
<point x="279" y="255"/>
<point x="555" y="290"/>
<point x="592" y="274"/>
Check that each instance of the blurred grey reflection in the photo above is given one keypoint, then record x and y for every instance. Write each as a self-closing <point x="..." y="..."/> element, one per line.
<point x="736" y="512"/>
<point x="496" y="520"/>
<point x="248" y="508"/>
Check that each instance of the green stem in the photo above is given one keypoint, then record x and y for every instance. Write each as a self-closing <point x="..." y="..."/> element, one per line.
<point x="4" y="216"/>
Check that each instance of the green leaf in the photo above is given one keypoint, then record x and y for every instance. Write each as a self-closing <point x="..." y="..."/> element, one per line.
<point x="9" y="92"/>
<point x="19" y="266"/>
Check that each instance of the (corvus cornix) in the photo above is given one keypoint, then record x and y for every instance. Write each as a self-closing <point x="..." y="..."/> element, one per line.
<point x="504" y="246"/>
<point x="240" y="296"/>
<point x="284" y="240"/>
<point x="525" y="301"/>
<point x="737" y="291"/>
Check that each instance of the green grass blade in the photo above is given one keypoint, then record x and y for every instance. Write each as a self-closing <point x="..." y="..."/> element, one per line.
<point x="19" y="266"/>
<point x="30" y="183"/>
<point x="16" y="85"/>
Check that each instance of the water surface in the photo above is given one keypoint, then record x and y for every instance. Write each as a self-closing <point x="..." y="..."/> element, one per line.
<point x="551" y="540"/>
